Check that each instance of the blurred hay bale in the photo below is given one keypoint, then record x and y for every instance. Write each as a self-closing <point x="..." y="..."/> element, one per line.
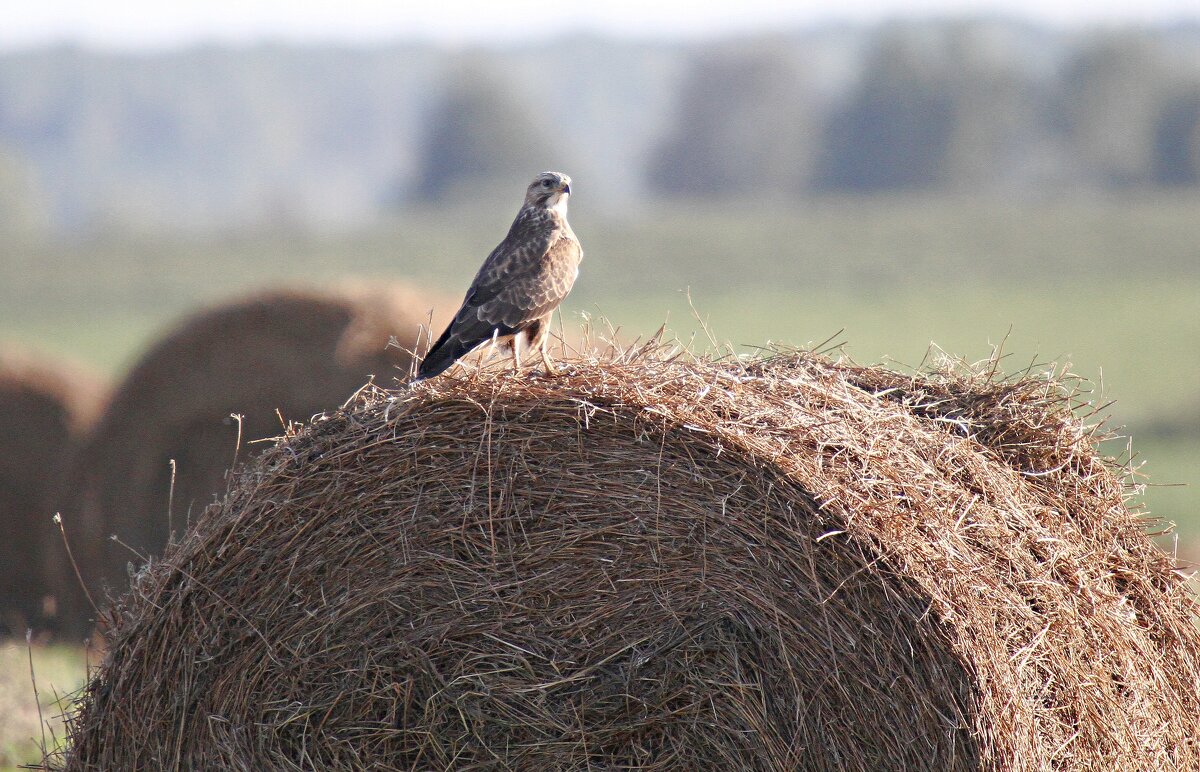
<point x="44" y="403"/>
<point x="289" y="353"/>
<point x="663" y="564"/>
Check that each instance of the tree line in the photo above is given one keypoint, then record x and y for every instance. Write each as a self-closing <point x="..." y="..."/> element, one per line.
<point x="318" y="135"/>
<point x="942" y="110"/>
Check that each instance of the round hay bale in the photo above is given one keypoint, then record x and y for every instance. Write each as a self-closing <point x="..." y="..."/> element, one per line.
<point x="656" y="564"/>
<point x="44" y="403"/>
<point x="291" y="354"/>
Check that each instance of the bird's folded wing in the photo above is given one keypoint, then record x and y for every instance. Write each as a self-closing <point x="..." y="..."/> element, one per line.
<point x="529" y="287"/>
<point x="528" y="241"/>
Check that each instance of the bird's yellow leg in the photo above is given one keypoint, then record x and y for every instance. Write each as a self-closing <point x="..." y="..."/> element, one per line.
<point x="516" y="353"/>
<point x="492" y="348"/>
<point x="550" y="368"/>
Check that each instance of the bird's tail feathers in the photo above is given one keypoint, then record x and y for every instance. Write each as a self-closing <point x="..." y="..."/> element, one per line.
<point x="442" y="354"/>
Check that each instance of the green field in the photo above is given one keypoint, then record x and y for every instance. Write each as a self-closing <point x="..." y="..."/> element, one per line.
<point x="1108" y="287"/>
<point x="60" y="671"/>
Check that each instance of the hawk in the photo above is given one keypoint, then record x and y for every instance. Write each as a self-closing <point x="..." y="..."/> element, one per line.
<point x="519" y="285"/>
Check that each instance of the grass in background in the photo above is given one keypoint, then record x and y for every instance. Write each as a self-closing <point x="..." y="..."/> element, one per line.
<point x="1171" y="469"/>
<point x="60" y="671"/>
<point x="1135" y="343"/>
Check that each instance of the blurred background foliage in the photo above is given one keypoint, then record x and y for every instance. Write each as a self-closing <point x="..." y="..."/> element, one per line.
<point x="217" y="136"/>
<point x="891" y="185"/>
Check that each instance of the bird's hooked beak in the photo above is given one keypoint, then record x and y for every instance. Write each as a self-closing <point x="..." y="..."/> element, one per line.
<point x="566" y="188"/>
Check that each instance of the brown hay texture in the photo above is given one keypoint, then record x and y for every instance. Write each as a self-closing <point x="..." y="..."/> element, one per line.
<point x="664" y="563"/>
<point x="294" y="353"/>
<point x="44" y="404"/>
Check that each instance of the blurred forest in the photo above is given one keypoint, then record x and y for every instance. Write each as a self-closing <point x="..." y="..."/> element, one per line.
<point x="326" y="136"/>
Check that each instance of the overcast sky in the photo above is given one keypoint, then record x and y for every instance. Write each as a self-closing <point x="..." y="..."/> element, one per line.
<point x="155" y="24"/>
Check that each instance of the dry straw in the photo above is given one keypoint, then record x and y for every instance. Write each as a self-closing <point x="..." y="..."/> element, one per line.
<point x="664" y="563"/>
<point x="203" y="396"/>
<point x="44" y="404"/>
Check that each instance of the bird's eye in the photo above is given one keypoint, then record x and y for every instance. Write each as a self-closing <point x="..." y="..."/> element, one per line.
<point x="545" y="183"/>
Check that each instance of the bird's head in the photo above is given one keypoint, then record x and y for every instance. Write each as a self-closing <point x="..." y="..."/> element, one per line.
<point x="549" y="190"/>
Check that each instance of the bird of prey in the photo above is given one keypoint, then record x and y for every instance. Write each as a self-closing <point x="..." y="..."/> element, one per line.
<point x="523" y="280"/>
